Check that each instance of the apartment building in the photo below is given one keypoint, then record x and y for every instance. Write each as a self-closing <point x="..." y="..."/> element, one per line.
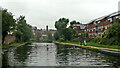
<point x="97" y="26"/>
<point x="77" y="28"/>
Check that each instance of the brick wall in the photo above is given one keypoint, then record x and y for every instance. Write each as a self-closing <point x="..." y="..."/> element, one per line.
<point x="9" y="39"/>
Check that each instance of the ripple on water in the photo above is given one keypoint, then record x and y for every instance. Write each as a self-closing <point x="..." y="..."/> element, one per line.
<point x="50" y="54"/>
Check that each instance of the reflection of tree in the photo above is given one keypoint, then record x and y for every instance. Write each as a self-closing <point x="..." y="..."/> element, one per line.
<point x="5" y="60"/>
<point x="62" y="53"/>
<point x="108" y="59"/>
<point x="67" y="53"/>
<point x="21" y="53"/>
<point x="114" y="60"/>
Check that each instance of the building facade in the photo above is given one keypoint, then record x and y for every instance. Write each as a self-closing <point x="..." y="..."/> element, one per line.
<point x="77" y="28"/>
<point x="43" y="32"/>
<point x="97" y="26"/>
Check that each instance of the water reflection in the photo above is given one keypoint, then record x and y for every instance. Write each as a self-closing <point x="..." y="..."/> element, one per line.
<point x="50" y="54"/>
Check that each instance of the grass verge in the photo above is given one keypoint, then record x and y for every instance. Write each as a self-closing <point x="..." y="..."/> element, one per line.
<point x="95" y="44"/>
<point x="9" y="45"/>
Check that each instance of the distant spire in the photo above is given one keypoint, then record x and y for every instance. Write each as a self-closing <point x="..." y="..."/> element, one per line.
<point x="47" y="28"/>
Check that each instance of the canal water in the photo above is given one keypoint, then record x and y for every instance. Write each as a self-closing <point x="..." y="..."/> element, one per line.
<point x="50" y="54"/>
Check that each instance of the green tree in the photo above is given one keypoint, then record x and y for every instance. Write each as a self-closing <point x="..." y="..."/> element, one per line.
<point x="50" y="38"/>
<point x="18" y="35"/>
<point x="67" y="33"/>
<point x="60" y="25"/>
<point x="24" y="28"/>
<point x="8" y="23"/>
<point x="62" y="38"/>
<point x="56" y="35"/>
<point x="73" y="22"/>
<point x="74" y="33"/>
<point x="112" y="34"/>
<point x="85" y="35"/>
<point x="38" y="35"/>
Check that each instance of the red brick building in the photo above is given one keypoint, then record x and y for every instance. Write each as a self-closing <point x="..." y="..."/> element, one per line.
<point x="77" y="28"/>
<point x="97" y="26"/>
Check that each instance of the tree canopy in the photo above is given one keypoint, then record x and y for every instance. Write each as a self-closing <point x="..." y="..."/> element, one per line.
<point x="24" y="28"/>
<point x="8" y="23"/>
<point x="38" y="35"/>
<point x="50" y="38"/>
<point x="112" y="34"/>
<point x="64" y="33"/>
<point x="61" y="24"/>
<point x="73" y="22"/>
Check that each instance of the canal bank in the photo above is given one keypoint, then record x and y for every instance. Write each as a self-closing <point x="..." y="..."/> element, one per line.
<point x="109" y="51"/>
<point x="13" y="46"/>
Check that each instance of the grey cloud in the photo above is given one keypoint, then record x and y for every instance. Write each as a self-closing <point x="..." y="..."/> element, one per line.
<point x="45" y="12"/>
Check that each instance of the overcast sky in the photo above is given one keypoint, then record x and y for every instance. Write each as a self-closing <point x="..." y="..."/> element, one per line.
<point x="45" y="12"/>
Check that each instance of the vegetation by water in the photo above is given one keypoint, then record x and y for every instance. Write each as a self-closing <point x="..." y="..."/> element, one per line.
<point x="95" y="44"/>
<point x="11" y="44"/>
<point x="18" y="28"/>
<point x="104" y="46"/>
<point x="109" y="39"/>
<point x="23" y="31"/>
<point x="8" y="23"/>
<point x="63" y="33"/>
<point x="110" y="36"/>
<point x="15" y="27"/>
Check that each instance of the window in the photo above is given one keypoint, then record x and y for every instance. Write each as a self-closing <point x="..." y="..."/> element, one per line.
<point x="89" y="30"/>
<point x="98" y="28"/>
<point x="92" y="29"/>
<point x="98" y="21"/>
<point x="95" y="34"/>
<point x="110" y="19"/>
<point x="101" y="27"/>
<point x="106" y="27"/>
<point x="117" y="17"/>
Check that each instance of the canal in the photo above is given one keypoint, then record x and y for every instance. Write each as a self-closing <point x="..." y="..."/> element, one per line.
<point x="50" y="54"/>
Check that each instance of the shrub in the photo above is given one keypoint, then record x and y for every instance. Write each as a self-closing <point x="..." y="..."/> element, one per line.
<point x="104" y="41"/>
<point x="97" y="39"/>
<point x="112" y="35"/>
<point x="75" y="39"/>
<point x="62" y="38"/>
